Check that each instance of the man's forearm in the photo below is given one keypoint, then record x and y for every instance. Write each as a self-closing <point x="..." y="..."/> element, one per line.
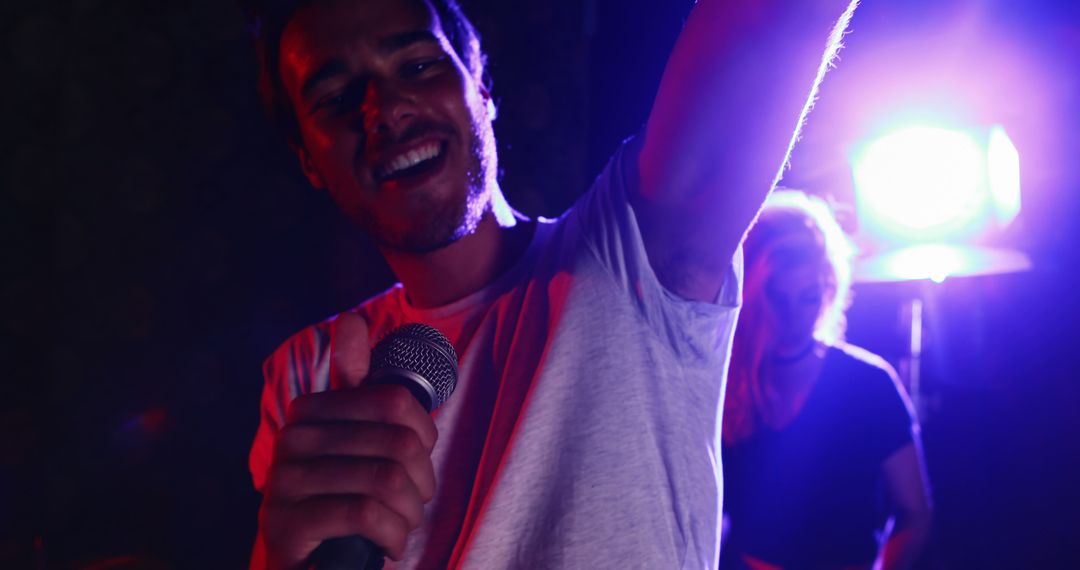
<point x="738" y="65"/>
<point x="737" y="86"/>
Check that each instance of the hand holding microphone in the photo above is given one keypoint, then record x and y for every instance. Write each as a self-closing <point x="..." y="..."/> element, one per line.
<point x="352" y="467"/>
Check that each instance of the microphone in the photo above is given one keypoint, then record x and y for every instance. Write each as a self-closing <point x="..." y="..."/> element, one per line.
<point x="421" y="359"/>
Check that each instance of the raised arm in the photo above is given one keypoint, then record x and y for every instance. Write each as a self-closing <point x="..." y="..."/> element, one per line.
<point x="737" y="87"/>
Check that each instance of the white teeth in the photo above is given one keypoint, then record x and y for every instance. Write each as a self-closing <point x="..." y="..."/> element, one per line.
<point x="410" y="159"/>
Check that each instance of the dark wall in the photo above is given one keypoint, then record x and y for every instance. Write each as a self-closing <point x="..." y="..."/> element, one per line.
<point x="175" y="244"/>
<point x="162" y="242"/>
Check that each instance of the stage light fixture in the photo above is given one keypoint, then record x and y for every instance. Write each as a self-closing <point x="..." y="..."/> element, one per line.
<point x="928" y="184"/>
<point x="927" y="196"/>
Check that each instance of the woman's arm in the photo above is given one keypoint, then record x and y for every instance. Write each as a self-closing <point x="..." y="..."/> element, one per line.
<point x="909" y="494"/>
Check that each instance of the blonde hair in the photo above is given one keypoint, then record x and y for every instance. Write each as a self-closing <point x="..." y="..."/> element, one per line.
<point x="793" y="229"/>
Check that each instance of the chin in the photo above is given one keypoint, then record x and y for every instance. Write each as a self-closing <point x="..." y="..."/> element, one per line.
<point x="436" y="215"/>
<point x="792" y="345"/>
<point x="426" y="236"/>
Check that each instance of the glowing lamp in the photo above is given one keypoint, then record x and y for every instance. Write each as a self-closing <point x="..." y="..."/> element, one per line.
<point x="925" y="193"/>
<point x="936" y="262"/>
<point x="924" y="184"/>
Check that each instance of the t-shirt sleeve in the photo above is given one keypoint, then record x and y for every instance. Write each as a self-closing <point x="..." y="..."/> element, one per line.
<point x="890" y="418"/>
<point x="301" y="365"/>
<point x="606" y="222"/>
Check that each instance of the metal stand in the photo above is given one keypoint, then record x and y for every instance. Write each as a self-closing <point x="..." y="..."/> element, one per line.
<point x="915" y="309"/>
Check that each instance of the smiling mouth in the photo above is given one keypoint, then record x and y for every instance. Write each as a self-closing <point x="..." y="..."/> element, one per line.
<point x="416" y="161"/>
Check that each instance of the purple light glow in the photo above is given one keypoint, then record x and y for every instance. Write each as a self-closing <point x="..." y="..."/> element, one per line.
<point x="937" y="262"/>
<point x="1003" y="162"/>
<point x="924" y="183"/>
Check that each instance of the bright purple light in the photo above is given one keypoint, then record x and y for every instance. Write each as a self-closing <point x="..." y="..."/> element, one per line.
<point x="923" y="183"/>
<point x="1003" y="162"/>
<point x="938" y="262"/>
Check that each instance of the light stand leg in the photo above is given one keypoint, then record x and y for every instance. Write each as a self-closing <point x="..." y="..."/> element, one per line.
<point x="915" y="310"/>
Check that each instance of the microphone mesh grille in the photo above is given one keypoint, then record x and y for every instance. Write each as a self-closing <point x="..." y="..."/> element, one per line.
<point x="423" y="350"/>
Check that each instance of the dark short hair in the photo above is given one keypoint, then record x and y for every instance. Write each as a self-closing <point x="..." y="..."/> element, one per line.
<point x="266" y="20"/>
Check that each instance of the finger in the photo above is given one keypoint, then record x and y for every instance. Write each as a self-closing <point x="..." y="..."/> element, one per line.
<point x="384" y="480"/>
<point x="301" y="441"/>
<point x="295" y="530"/>
<point x="384" y="403"/>
<point x="350" y="351"/>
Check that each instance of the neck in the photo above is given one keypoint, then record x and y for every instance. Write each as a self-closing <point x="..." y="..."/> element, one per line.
<point x="788" y="357"/>
<point x="443" y="276"/>
<point x="793" y="372"/>
<point x="787" y="386"/>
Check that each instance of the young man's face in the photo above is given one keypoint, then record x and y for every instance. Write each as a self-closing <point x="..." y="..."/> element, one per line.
<point x="390" y="120"/>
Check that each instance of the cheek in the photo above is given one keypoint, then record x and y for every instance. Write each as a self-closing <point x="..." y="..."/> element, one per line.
<point x="793" y="317"/>
<point x="327" y="135"/>
<point x="809" y="317"/>
<point x="338" y="160"/>
<point x="467" y="107"/>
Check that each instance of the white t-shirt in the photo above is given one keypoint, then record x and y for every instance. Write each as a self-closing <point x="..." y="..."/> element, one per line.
<point x="585" y="429"/>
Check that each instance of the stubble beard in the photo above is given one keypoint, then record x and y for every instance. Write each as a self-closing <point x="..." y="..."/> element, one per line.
<point x="450" y="220"/>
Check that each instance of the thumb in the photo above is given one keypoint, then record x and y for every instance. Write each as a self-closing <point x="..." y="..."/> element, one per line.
<point x="350" y="353"/>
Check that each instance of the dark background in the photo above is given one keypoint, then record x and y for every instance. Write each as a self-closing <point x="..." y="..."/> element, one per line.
<point x="160" y="242"/>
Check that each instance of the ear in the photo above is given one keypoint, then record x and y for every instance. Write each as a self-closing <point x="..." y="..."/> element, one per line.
<point x="312" y="174"/>
<point x="489" y="101"/>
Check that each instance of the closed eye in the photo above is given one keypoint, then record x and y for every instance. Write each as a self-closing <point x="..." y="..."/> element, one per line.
<point x="417" y="67"/>
<point x="351" y="96"/>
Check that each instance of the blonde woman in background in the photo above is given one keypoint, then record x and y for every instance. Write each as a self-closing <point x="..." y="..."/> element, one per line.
<point x="821" y="445"/>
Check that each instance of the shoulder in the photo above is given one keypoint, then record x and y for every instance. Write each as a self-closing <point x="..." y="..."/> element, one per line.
<point x="871" y="381"/>
<point x="863" y="363"/>
<point x="293" y="368"/>
<point x="865" y="375"/>
<point x="879" y="401"/>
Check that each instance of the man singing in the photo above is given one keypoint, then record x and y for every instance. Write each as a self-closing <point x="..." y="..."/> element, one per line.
<point x="584" y="432"/>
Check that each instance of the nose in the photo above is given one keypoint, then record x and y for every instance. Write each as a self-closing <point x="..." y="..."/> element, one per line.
<point x="386" y="109"/>
<point x="782" y="307"/>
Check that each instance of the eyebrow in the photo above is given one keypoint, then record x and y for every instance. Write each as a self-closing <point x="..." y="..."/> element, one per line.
<point x="403" y="40"/>
<point x="385" y="46"/>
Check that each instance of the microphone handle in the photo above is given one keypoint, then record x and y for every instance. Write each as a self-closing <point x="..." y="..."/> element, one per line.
<point x="347" y="553"/>
<point x="356" y="552"/>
